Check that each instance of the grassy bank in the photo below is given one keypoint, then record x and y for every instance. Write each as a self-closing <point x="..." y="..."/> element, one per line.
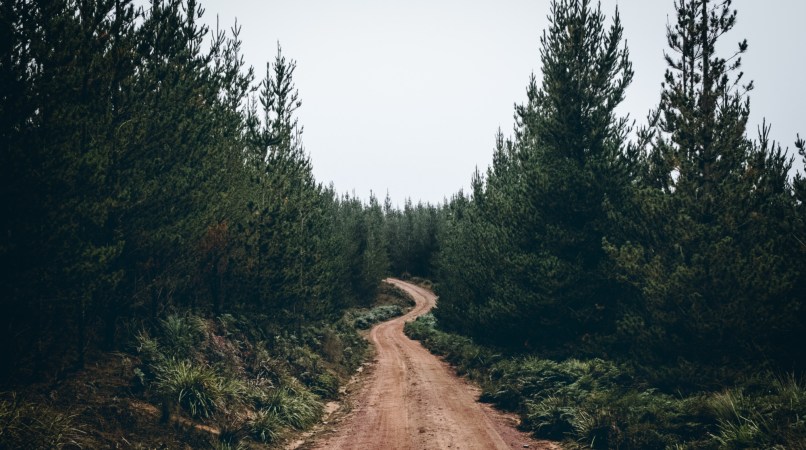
<point x="219" y="382"/>
<point x="600" y="404"/>
<point x="391" y="302"/>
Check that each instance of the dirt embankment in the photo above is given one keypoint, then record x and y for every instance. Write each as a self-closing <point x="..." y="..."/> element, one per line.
<point x="413" y="400"/>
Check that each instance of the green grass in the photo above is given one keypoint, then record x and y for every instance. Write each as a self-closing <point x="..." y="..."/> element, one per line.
<point x="253" y="377"/>
<point x="600" y="404"/>
<point x="197" y="389"/>
<point x="248" y="376"/>
<point x="378" y="314"/>
<point x="182" y="334"/>
<point x="294" y="406"/>
<point x="266" y="426"/>
<point x="30" y="425"/>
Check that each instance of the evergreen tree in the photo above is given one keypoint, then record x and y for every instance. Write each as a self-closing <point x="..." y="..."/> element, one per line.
<point x="138" y="178"/>
<point x="709" y="249"/>
<point x="547" y="193"/>
<point x="376" y="260"/>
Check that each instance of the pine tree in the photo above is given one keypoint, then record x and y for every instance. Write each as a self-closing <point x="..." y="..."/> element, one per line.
<point x="566" y="165"/>
<point x="708" y="251"/>
<point x="376" y="260"/>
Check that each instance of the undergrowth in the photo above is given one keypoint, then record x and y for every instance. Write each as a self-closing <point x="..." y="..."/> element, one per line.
<point x="232" y="381"/>
<point x="25" y="424"/>
<point x="600" y="404"/>
<point x="243" y="374"/>
<point x="250" y="377"/>
<point x="391" y="302"/>
<point x="378" y="314"/>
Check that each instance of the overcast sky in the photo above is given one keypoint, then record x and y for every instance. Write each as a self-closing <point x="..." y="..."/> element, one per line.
<point x="406" y="96"/>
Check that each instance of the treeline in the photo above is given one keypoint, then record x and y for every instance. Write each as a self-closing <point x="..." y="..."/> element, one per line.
<point x="145" y="170"/>
<point x="679" y="246"/>
<point x="412" y="237"/>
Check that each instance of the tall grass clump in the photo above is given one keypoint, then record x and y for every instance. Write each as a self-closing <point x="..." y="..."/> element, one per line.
<point x="772" y="418"/>
<point x="294" y="406"/>
<point x="26" y="424"/>
<point x="266" y="426"/>
<point x="182" y="334"/>
<point x="197" y="389"/>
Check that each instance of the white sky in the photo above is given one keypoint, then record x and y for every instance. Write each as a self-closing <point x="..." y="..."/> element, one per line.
<point x="406" y="96"/>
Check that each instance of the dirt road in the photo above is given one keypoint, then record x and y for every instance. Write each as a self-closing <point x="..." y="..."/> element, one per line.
<point x="413" y="400"/>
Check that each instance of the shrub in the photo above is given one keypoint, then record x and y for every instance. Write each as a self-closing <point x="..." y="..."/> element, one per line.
<point x="233" y="427"/>
<point x="326" y="385"/>
<point x="182" y="334"/>
<point x="377" y="314"/>
<point x="331" y="346"/>
<point x="295" y="406"/>
<point x="600" y="404"/>
<point x="199" y="390"/>
<point x="422" y="282"/>
<point x="773" y="417"/>
<point x="254" y="378"/>
<point x="265" y="426"/>
<point x="738" y="434"/>
<point x="549" y="418"/>
<point x="390" y="294"/>
<point x="596" y="429"/>
<point x="354" y="348"/>
<point x="725" y="406"/>
<point x="149" y="349"/>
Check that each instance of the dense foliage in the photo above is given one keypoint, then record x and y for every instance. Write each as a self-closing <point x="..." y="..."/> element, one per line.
<point x="600" y="404"/>
<point x="677" y="248"/>
<point x="150" y="183"/>
<point x="145" y="170"/>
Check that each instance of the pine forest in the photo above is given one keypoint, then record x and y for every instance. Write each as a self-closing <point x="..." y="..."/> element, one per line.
<point x="174" y="276"/>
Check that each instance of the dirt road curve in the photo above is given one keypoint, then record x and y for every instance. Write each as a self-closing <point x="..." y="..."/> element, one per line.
<point x="412" y="400"/>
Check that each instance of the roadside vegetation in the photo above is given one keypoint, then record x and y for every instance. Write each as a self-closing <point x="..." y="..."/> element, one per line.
<point x="227" y="381"/>
<point x="244" y="376"/>
<point x="601" y="404"/>
<point x="392" y="302"/>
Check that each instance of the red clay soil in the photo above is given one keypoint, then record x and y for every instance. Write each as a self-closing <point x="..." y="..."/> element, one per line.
<point x="413" y="400"/>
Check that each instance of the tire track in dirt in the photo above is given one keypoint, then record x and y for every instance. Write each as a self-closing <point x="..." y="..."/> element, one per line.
<point x="413" y="400"/>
